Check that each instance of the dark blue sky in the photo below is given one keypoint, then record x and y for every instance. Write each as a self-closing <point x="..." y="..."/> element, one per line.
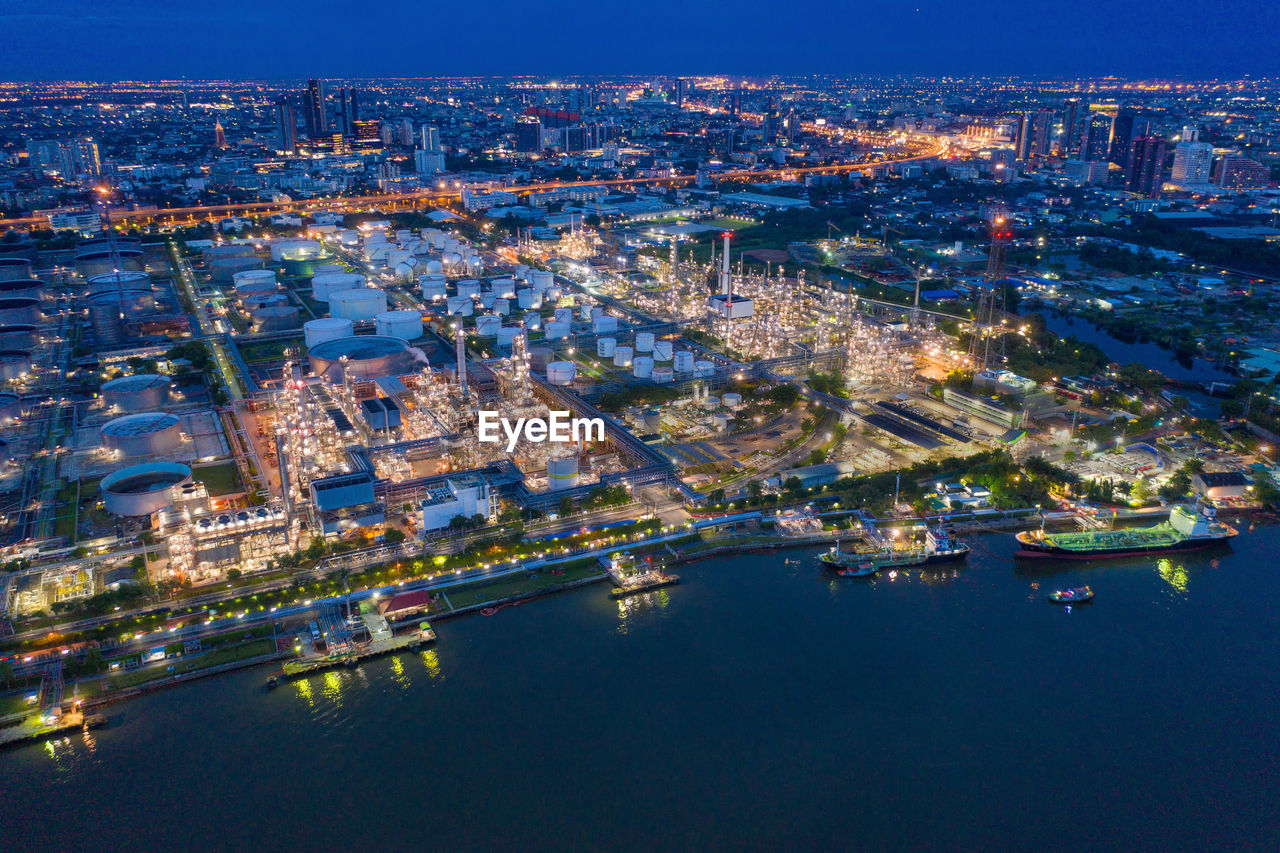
<point x="147" y="39"/>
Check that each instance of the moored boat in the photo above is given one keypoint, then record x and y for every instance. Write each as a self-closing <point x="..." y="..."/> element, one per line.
<point x="1185" y="530"/>
<point x="939" y="547"/>
<point x="1073" y="595"/>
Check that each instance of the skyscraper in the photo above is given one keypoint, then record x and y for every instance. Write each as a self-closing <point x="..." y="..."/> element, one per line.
<point x="1126" y="128"/>
<point x="1146" y="166"/>
<point x="286" y="126"/>
<point x="680" y="84"/>
<point x="1236" y="172"/>
<point x="313" y="109"/>
<point x="1075" y="118"/>
<point x="430" y="140"/>
<point x="1097" y="138"/>
<point x="1192" y="163"/>
<point x="219" y="135"/>
<point x="1034" y="134"/>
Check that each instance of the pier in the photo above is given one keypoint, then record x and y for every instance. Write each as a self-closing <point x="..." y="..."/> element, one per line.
<point x="632" y="578"/>
<point x="352" y="653"/>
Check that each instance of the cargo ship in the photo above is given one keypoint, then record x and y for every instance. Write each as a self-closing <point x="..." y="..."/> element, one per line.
<point x="939" y="547"/>
<point x="1185" y="530"/>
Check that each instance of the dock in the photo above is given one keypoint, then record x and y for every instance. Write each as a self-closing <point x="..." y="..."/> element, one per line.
<point x="632" y="577"/>
<point x="38" y="727"/>
<point x="356" y="652"/>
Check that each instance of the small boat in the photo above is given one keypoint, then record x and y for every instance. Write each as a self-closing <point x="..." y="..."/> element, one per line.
<point x="1074" y="595"/>
<point x="860" y="571"/>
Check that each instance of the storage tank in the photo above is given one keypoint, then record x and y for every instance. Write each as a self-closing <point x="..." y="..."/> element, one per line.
<point x="583" y="384"/>
<point x="556" y="330"/>
<point x="295" y="250"/>
<point x="562" y="472"/>
<point x="399" y="324"/>
<point x="528" y="298"/>
<point x="460" y="306"/>
<point x="604" y="325"/>
<point x="507" y="334"/>
<point x="487" y="325"/>
<point x="487" y="301"/>
<point x="140" y="490"/>
<point x="264" y="300"/>
<point x="255" y="281"/>
<point x="663" y="374"/>
<point x="10" y="409"/>
<point x="275" y="318"/>
<point x="622" y="356"/>
<point x="563" y="315"/>
<point x="703" y="369"/>
<point x="433" y="291"/>
<point x="325" y="269"/>
<point x="532" y="321"/>
<point x="434" y="267"/>
<point x="131" y="302"/>
<point x="732" y="400"/>
<point x="108" y="326"/>
<point x="541" y="279"/>
<point x="138" y="393"/>
<point x="684" y="362"/>
<point x="326" y="284"/>
<point x="143" y="434"/>
<point x="606" y="346"/>
<point x="662" y="350"/>
<point x="21" y="336"/>
<point x="326" y="329"/>
<point x="14" y="268"/>
<point x="552" y="294"/>
<point x="14" y="364"/>
<point x="20" y="310"/>
<point x="468" y="287"/>
<point x="226" y="250"/>
<point x="363" y="303"/>
<point x="652" y="420"/>
<point x="126" y="280"/>
<point x="103" y="261"/>
<point x="502" y="306"/>
<point x="642" y="366"/>
<point x="540" y="357"/>
<point x="720" y="421"/>
<point x="522" y="272"/>
<point x="368" y="357"/>
<point x="561" y="372"/>
<point x="349" y="237"/>
<point x="406" y="270"/>
<point x="587" y="312"/>
<point x="644" y="342"/>
<point x="19" y="288"/>
<point x="224" y="269"/>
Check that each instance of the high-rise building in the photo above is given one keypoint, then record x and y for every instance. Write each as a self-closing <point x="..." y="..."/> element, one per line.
<point x="1097" y="138"/>
<point x="1002" y="165"/>
<point x="1034" y="134"/>
<point x="1235" y="172"/>
<point x="313" y="110"/>
<point x="1085" y="172"/>
<point x="1125" y="129"/>
<point x="1075" y="117"/>
<point x="1192" y="163"/>
<point x="680" y="91"/>
<point x="404" y="132"/>
<point x="529" y="136"/>
<point x="286" y="126"/>
<point x="430" y="139"/>
<point x="428" y="162"/>
<point x="368" y="133"/>
<point x="219" y="135"/>
<point x="1145" y="173"/>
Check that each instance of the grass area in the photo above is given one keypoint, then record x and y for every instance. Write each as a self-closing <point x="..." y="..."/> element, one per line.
<point x="16" y="703"/>
<point x="221" y="479"/>
<point x="269" y="350"/>
<point x="137" y="678"/>
<point x="481" y="591"/>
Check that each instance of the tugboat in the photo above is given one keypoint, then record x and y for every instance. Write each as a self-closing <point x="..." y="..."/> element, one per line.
<point x="939" y="547"/>
<point x="1074" y="595"/>
<point x="1185" y="530"/>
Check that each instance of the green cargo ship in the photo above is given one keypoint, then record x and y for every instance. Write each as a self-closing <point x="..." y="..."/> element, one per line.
<point x="1185" y="530"/>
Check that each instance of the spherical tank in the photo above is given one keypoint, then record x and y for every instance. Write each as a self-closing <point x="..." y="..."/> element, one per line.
<point x="561" y="372"/>
<point x="22" y="310"/>
<point x="363" y="303"/>
<point x="605" y="347"/>
<point x="562" y="472"/>
<point x="143" y="434"/>
<point x="140" y="490"/>
<point x="323" y="286"/>
<point x="14" y="268"/>
<point x="399" y="324"/>
<point x="138" y="393"/>
<point x="326" y="329"/>
<point x="368" y="357"/>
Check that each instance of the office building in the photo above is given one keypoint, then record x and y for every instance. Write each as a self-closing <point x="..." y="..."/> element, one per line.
<point x="529" y="137"/>
<point x="1034" y="134"/>
<point x="1096" y="143"/>
<point x="1127" y="127"/>
<point x="286" y="126"/>
<point x="1192" y="163"/>
<point x="1146" y="166"/>
<point x="428" y="162"/>
<point x="429" y="139"/>
<point x="313" y="110"/>
<point x="1084" y="173"/>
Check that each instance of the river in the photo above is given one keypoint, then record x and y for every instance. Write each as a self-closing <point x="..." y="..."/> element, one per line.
<point x="760" y="704"/>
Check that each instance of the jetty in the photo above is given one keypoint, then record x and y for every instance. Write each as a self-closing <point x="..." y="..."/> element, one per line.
<point x="632" y="577"/>
<point x="344" y="652"/>
<point x="37" y="727"/>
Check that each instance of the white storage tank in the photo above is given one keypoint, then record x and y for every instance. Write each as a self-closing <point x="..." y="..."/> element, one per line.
<point x="137" y="393"/>
<point x="264" y="300"/>
<point x="295" y="250"/>
<point x="529" y="298"/>
<point x="326" y="284"/>
<point x="487" y="325"/>
<point x="552" y="294"/>
<point x="460" y="306"/>
<point x="326" y="329"/>
<point x="662" y="374"/>
<point x="349" y="237"/>
<point x="501" y="306"/>
<point x="504" y="288"/>
<point x="322" y="269"/>
<point x="622" y="356"/>
<point x="605" y="347"/>
<point x="468" y="287"/>
<point x="434" y="291"/>
<point x="662" y="350"/>
<point x="642" y="366"/>
<point x="644" y="342"/>
<point x="363" y="303"/>
<point x="556" y="330"/>
<point x="541" y="279"/>
<point x="703" y="369"/>
<point x="586" y="312"/>
<point x="138" y="280"/>
<point x="140" y="490"/>
<point x="564" y="315"/>
<point x="14" y="365"/>
<point x="732" y="400"/>
<point x="562" y="472"/>
<point x="522" y="272"/>
<point x="507" y="334"/>
<point x="604" y="325"/>
<point x="532" y="321"/>
<point x="720" y="421"/>
<point x="254" y="281"/>
<point x="684" y="362"/>
<point x="398" y="324"/>
<point x="143" y="434"/>
<point x="561" y="372"/>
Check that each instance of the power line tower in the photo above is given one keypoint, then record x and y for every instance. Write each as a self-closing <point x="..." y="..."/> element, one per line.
<point x="991" y="302"/>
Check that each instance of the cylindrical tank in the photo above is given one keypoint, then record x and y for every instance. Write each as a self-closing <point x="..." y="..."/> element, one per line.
<point x="541" y="279"/>
<point x="325" y="269"/>
<point x="583" y="384"/>
<point x="522" y="272"/>
<point x="254" y="281"/>
<point x="433" y="291"/>
<point x="604" y="325"/>
<point x="326" y="329"/>
<point x="644" y="342"/>
<point x="663" y="374"/>
<point x="10" y="409"/>
<point x="487" y="301"/>
<point x="732" y="400"/>
<point x="325" y="285"/>
<point x="586" y="312"/>
<point x="504" y="288"/>
<point x="563" y="315"/>
<point x="532" y="321"/>
<point x="555" y="330"/>
<point x="103" y="261"/>
<point x="561" y="372"/>
<point x="540" y="357"/>
<point x="605" y="347"/>
<point x="622" y="356"/>
<point x="683" y="362"/>
<point x="562" y="472"/>
<point x="349" y="237"/>
<point x="227" y="250"/>
<point x="138" y="393"/>
<point x="295" y="250"/>
<point x="720" y="421"/>
<point x="143" y="434"/>
<point x="642" y="366"/>
<point x="367" y="357"/>
<point x="21" y="310"/>
<point x="131" y="302"/>
<point x="529" y="298"/>
<point x="460" y="306"/>
<point x="703" y="369"/>
<point x="652" y="420"/>
<point x="225" y="269"/>
<point x="507" y="334"/>
<point x="662" y="350"/>
<point x="14" y="268"/>
<point x="107" y="323"/>
<point x="264" y="300"/>
<point x="14" y="364"/>
<point x="21" y="336"/>
<point x="363" y="303"/>
<point x="468" y="287"/>
<point x="552" y="293"/>
<point x="21" y="288"/>
<point x="399" y="324"/>
<point x="114" y="281"/>
<point x="276" y="318"/>
<point x="487" y="325"/>
<point x="140" y="490"/>
<point x="502" y="306"/>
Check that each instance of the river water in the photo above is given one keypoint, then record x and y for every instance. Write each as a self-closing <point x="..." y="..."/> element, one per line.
<point x="758" y="705"/>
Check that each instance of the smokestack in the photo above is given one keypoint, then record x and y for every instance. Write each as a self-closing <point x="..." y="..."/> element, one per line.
<point x="462" y="361"/>
<point x="724" y="268"/>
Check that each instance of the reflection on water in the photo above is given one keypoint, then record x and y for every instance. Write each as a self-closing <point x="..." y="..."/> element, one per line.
<point x="398" y="674"/>
<point x="1174" y="575"/>
<point x="304" y="690"/>
<point x="332" y="687"/>
<point x="431" y="661"/>
<point x="632" y="605"/>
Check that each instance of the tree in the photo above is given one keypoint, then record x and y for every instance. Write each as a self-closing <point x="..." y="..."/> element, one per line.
<point x="716" y="497"/>
<point x="794" y="485"/>
<point x="393" y="535"/>
<point x="566" y="506"/>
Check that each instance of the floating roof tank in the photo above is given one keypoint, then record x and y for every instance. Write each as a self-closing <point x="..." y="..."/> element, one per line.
<point x="20" y="310"/>
<point x="14" y="364"/>
<point x="368" y="357"/>
<point x="326" y="329"/>
<point x="362" y="303"/>
<point x="143" y="434"/>
<point x="140" y="490"/>
<point x="22" y="336"/>
<point x="17" y="288"/>
<point x="138" y="393"/>
<point x="14" y="268"/>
